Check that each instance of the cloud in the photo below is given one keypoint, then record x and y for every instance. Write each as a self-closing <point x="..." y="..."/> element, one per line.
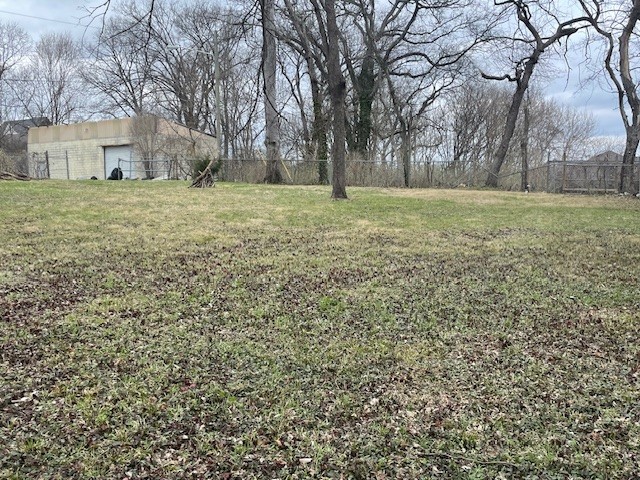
<point x="42" y="16"/>
<point x="608" y="121"/>
<point x="602" y="104"/>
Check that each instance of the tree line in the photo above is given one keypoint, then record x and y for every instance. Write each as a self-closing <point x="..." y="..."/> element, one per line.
<point x="458" y="83"/>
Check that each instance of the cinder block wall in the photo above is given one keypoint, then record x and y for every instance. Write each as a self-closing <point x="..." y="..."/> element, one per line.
<point x="82" y="143"/>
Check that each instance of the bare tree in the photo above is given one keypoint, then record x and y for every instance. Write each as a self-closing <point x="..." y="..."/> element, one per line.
<point x="305" y="40"/>
<point x="337" y="92"/>
<point x="324" y="12"/>
<point x="524" y="146"/>
<point x="272" y="117"/>
<point x="412" y="50"/>
<point x="530" y="42"/>
<point x="147" y="141"/>
<point x="15" y="43"/>
<point x="240" y="104"/>
<point x="359" y="46"/>
<point x="54" y="90"/>
<point x="121" y="69"/>
<point x="296" y="128"/>
<point x="420" y="49"/>
<point x="611" y="19"/>
<point x="470" y="127"/>
<point x="474" y="120"/>
<point x="183" y="67"/>
<point x="239" y="87"/>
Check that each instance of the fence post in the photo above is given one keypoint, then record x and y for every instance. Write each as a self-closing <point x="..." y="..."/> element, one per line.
<point x="46" y="157"/>
<point x="66" y="156"/>
<point x="548" y="176"/>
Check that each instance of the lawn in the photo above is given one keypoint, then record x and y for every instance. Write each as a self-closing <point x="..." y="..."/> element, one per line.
<point x="153" y="331"/>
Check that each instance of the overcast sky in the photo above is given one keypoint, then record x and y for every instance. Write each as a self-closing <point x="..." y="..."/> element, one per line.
<point x="66" y="14"/>
<point x="71" y="15"/>
<point x="599" y="100"/>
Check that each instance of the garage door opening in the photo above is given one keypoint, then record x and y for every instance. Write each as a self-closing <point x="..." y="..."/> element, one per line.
<point x="119" y="157"/>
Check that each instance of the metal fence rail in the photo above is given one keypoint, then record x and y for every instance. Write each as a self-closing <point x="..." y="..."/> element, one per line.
<point x="378" y="174"/>
<point x="148" y="168"/>
<point x="585" y="177"/>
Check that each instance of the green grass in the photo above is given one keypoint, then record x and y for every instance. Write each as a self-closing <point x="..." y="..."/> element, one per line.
<point x="153" y="331"/>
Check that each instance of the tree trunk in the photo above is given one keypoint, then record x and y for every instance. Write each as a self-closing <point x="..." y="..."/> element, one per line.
<point x="626" y="174"/>
<point x="337" y="90"/>
<point x="512" y="117"/>
<point x="405" y="149"/>
<point x="272" y="122"/>
<point x="524" y="150"/>
<point x="319" y="130"/>
<point x="366" y="85"/>
<point x="632" y="127"/>
<point x="225" y="127"/>
<point x="147" y="165"/>
<point x="503" y="148"/>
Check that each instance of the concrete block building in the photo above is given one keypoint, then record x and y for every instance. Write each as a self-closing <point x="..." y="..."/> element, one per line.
<point x="142" y="147"/>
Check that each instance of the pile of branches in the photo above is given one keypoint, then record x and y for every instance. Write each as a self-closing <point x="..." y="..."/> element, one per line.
<point x="206" y="177"/>
<point x="14" y="176"/>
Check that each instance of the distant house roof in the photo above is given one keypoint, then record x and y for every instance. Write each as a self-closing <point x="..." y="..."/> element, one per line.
<point x="20" y="128"/>
<point x="606" y="158"/>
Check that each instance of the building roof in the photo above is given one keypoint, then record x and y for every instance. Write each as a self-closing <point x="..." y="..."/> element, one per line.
<point x="21" y="127"/>
<point x="609" y="157"/>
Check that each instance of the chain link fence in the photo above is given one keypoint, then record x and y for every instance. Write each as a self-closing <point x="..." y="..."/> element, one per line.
<point x="553" y="176"/>
<point x="377" y="174"/>
<point x="43" y="165"/>
<point x="586" y="177"/>
<point x="14" y="162"/>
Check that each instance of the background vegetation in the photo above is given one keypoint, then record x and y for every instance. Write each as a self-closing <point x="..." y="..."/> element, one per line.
<point x="419" y="81"/>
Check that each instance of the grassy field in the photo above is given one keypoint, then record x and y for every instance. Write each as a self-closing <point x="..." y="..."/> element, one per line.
<point x="153" y="331"/>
